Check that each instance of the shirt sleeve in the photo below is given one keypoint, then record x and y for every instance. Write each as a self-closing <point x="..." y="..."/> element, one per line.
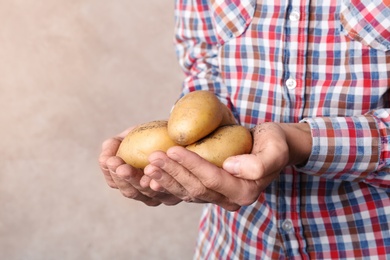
<point x="351" y="148"/>
<point x="196" y="44"/>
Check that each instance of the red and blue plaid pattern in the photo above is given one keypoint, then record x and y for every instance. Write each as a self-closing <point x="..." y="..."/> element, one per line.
<point x="368" y="22"/>
<point x="326" y="63"/>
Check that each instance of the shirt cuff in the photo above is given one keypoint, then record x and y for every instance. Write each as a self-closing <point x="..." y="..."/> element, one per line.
<point x="344" y="148"/>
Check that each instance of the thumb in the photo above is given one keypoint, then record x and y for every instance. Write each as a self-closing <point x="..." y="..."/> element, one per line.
<point x="247" y="166"/>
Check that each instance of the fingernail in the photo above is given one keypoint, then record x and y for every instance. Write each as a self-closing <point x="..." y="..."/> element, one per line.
<point x="232" y="166"/>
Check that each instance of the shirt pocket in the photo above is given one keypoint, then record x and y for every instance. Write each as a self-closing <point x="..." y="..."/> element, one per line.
<point x="232" y="17"/>
<point x="367" y="21"/>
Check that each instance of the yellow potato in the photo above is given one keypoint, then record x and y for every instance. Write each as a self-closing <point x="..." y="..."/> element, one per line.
<point x="196" y="115"/>
<point x="227" y="116"/>
<point x="142" y="141"/>
<point x="224" y="142"/>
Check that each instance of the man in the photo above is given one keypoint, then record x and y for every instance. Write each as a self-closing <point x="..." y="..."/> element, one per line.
<point x="311" y="78"/>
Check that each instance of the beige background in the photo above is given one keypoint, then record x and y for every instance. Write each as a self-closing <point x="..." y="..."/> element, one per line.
<point x="73" y="73"/>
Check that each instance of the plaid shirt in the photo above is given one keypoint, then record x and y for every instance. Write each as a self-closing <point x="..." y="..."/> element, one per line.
<point x="326" y="63"/>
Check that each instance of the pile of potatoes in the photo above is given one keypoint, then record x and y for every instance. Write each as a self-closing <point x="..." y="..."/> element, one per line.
<point x="199" y="122"/>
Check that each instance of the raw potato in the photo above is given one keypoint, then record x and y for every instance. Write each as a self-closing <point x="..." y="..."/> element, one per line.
<point x="224" y="142"/>
<point x="193" y="117"/>
<point x="142" y="141"/>
<point x="196" y="115"/>
<point x="227" y="116"/>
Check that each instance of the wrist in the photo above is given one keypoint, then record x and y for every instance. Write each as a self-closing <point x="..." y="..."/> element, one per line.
<point x="299" y="140"/>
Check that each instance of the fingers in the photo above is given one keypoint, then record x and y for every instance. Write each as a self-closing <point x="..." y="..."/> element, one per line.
<point x="239" y="191"/>
<point x="179" y="181"/>
<point x="109" y="149"/>
<point x="128" y="180"/>
<point x="157" y="170"/>
<point x="123" y="176"/>
<point x="191" y="178"/>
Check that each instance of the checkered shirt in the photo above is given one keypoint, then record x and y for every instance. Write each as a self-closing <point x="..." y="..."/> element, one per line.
<point x="325" y="63"/>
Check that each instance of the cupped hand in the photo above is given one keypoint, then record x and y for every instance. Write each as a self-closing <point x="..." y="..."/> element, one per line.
<point x="181" y="175"/>
<point x="242" y="178"/>
<point x="131" y="182"/>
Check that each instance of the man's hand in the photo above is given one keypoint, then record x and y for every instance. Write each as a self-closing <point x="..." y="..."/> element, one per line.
<point x="130" y="181"/>
<point x="242" y="179"/>
<point x="181" y="175"/>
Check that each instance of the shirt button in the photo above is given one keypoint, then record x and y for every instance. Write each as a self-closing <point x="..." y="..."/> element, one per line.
<point x="294" y="16"/>
<point x="291" y="83"/>
<point x="287" y="225"/>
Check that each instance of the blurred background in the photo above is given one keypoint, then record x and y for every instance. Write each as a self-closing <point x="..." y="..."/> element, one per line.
<point x="73" y="73"/>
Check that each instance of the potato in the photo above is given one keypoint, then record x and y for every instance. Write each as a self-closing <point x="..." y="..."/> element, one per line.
<point x="224" y="142"/>
<point x="142" y="141"/>
<point x="227" y="116"/>
<point x="196" y="115"/>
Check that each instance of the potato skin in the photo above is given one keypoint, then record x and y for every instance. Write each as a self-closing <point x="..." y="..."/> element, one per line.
<point x="194" y="116"/>
<point x="140" y="142"/>
<point x="227" y="116"/>
<point x="224" y="142"/>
